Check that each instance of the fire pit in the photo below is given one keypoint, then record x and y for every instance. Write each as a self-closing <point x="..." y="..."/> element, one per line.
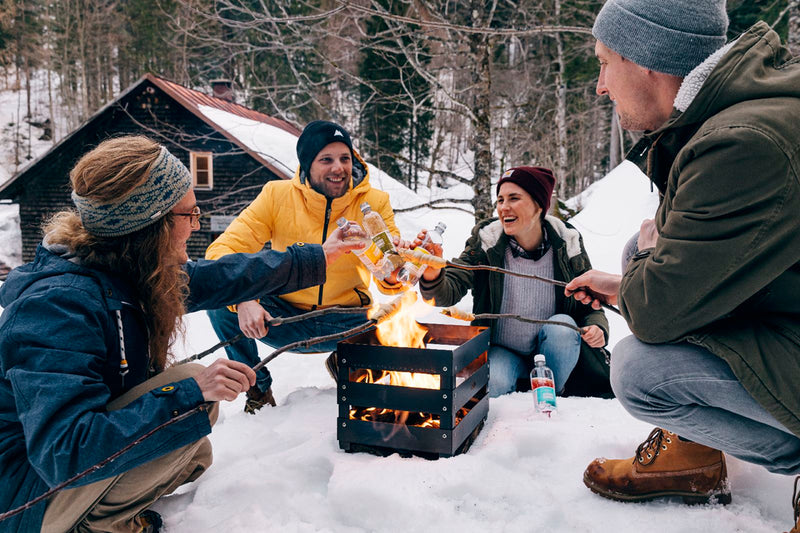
<point x="430" y="401"/>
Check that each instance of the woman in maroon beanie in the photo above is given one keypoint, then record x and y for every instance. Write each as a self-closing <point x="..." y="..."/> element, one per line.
<point x="523" y="239"/>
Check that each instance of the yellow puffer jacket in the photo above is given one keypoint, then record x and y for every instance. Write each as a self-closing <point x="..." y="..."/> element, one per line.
<point x="287" y="212"/>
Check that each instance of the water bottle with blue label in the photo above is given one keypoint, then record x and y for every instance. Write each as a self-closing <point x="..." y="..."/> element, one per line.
<point x="543" y="386"/>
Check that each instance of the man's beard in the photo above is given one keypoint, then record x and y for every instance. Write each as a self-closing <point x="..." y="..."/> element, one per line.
<point x="321" y="188"/>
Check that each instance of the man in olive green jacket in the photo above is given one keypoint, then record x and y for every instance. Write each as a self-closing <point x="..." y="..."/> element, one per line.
<point x="713" y="295"/>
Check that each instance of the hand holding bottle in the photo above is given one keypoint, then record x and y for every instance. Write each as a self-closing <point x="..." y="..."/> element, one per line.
<point x="431" y="242"/>
<point x="336" y="245"/>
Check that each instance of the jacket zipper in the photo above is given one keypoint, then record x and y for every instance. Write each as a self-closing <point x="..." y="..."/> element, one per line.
<point x="329" y="201"/>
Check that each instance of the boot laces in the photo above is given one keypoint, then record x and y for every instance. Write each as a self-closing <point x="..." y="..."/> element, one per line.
<point x="657" y="441"/>
<point x="796" y="499"/>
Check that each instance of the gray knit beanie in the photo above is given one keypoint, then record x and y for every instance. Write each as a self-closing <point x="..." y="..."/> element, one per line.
<point x="670" y="36"/>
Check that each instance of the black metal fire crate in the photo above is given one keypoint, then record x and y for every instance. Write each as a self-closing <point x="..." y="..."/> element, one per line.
<point x="459" y="406"/>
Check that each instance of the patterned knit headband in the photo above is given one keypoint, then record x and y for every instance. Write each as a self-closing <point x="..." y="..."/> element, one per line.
<point x="167" y="184"/>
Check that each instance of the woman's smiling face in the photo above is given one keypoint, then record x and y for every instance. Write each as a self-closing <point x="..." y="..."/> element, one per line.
<point x="518" y="211"/>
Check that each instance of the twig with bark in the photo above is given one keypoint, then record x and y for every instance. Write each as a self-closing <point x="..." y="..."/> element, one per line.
<point x="440" y="262"/>
<point x="277" y="321"/>
<point x="456" y="313"/>
<point x="383" y="312"/>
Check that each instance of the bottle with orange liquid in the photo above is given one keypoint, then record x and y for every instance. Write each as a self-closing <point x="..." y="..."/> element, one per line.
<point x="543" y="386"/>
<point x="370" y="255"/>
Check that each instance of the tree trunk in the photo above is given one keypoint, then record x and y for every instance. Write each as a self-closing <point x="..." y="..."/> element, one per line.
<point x="561" y="112"/>
<point x="794" y="27"/>
<point x="615" y="146"/>
<point x="481" y="124"/>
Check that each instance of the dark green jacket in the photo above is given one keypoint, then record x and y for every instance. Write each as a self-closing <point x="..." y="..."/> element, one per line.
<point x="487" y="246"/>
<point x="725" y="272"/>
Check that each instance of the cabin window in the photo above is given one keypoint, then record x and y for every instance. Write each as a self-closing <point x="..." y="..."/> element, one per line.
<point x="202" y="171"/>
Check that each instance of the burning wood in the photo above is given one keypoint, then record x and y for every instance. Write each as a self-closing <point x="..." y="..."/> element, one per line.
<point x="412" y="398"/>
<point x="398" y="327"/>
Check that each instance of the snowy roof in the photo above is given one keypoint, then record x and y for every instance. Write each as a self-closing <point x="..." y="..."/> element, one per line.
<point x="219" y="114"/>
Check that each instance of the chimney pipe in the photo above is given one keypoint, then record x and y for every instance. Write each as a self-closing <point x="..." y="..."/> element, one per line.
<point x="223" y="89"/>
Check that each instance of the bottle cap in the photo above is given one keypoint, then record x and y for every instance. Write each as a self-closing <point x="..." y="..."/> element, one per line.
<point x="341" y="222"/>
<point x="441" y="226"/>
<point x="538" y="358"/>
<point x="365" y="207"/>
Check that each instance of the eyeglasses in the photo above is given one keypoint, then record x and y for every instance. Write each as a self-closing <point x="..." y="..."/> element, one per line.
<point x="194" y="217"/>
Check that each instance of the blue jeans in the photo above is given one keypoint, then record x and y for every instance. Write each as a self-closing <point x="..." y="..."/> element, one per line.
<point x="561" y="347"/>
<point x="688" y="390"/>
<point x="226" y="325"/>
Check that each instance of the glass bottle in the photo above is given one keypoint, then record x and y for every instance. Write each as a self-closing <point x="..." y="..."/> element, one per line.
<point x="543" y="386"/>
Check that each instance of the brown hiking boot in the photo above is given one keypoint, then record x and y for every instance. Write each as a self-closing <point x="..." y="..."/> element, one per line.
<point x="257" y="399"/>
<point x="663" y="466"/>
<point x="796" y="505"/>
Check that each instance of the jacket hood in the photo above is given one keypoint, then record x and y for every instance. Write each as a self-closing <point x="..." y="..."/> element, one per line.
<point x="53" y="262"/>
<point x="754" y="68"/>
<point x="44" y="265"/>
<point x="749" y="68"/>
<point x="492" y="231"/>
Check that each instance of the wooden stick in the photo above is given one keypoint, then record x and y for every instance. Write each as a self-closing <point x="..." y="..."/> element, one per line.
<point x="439" y="262"/>
<point x="277" y="321"/>
<point x="463" y="315"/>
<point x="202" y="407"/>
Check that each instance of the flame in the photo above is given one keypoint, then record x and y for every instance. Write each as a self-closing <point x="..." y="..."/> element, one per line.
<point x="400" y="328"/>
<point x="396" y="378"/>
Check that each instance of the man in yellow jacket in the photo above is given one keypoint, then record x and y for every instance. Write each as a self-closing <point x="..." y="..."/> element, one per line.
<point x="332" y="181"/>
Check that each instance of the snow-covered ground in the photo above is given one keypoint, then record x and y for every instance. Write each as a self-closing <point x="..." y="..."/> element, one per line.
<point x="282" y="470"/>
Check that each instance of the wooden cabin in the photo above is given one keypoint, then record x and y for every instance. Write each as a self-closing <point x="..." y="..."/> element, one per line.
<point x="231" y="150"/>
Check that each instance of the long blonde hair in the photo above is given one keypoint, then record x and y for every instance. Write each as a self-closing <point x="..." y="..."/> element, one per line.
<point x="107" y="173"/>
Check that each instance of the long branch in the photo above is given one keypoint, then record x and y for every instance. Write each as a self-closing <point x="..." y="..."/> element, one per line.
<point x="202" y="407"/>
<point x="440" y="262"/>
<point x="466" y="29"/>
<point x="456" y="313"/>
<point x="277" y="321"/>
<point x="315" y="340"/>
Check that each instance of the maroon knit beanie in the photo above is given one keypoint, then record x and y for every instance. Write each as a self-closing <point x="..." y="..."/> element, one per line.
<point x="537" y="181"/>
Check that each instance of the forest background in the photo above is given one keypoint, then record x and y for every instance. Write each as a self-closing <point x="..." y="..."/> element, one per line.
<point x="434" y="91"/>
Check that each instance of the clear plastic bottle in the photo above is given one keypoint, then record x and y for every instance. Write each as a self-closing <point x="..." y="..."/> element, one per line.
<point x="412" y="271"/>
<point x="379" y="233"/>
<point x="370" y="254"/>
<point x="543" y="386"/>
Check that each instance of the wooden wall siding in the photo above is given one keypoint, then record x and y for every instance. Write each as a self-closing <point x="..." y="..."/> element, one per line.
<point x="146" y="110"/>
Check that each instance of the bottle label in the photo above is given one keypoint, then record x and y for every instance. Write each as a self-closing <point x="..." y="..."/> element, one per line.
<point x="384" y="241"/>
<point x="544" y="393"/>
<point x="373" y="253"/>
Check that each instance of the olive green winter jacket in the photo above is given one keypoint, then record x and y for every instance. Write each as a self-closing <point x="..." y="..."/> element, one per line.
<point x="725" y="272"/>
<point x="487" y="246"/>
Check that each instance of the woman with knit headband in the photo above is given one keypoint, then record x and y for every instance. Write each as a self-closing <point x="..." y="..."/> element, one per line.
<point x="85" y="340"/>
